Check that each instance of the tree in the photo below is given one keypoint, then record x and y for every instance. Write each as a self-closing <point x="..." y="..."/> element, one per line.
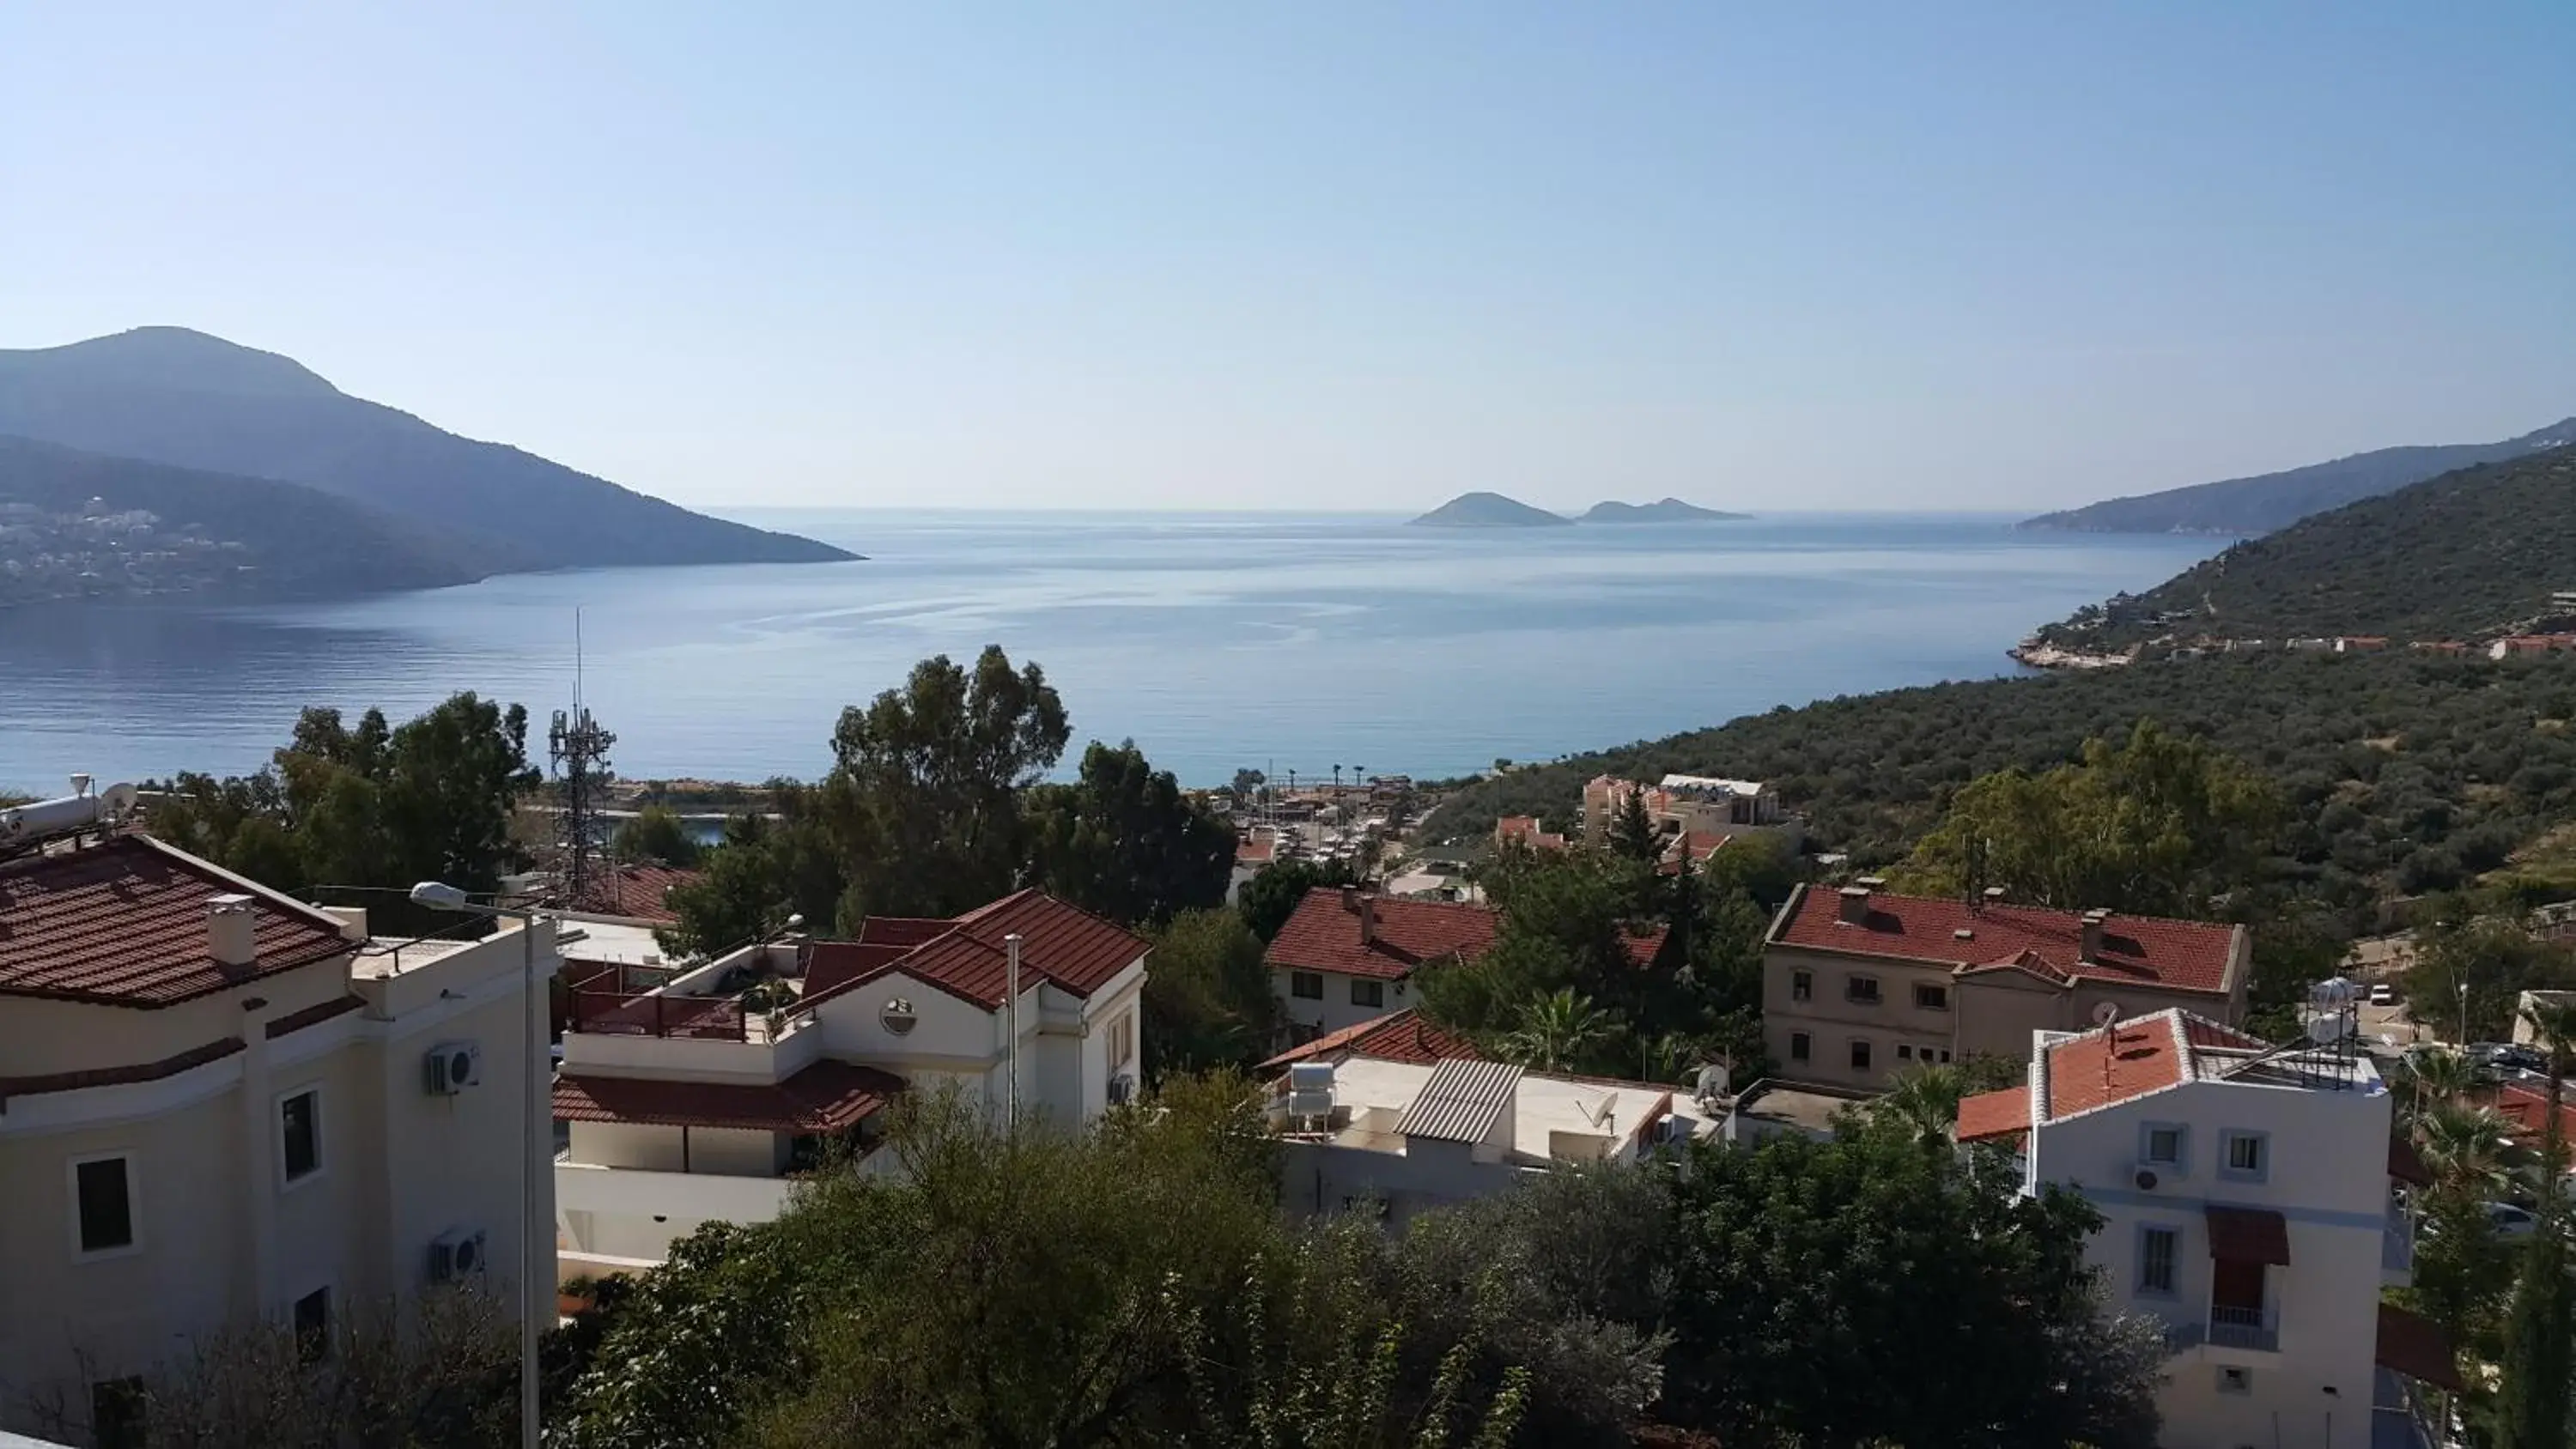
<point x="1632" y="830"/>
<point x="655" y="835"/>
<point x="1556" y="1031"/>
<point x="762" y="873"/>
<point x="1208" y="1001"/>
<point x="2533" y="1401"/>
<point x="1122" y="841"/>
<point x="374" y="807"/>
<point x="1800" y="1263"/>
<point x="1246" y="788"/>
<point x="924" y="790"/>
<point x="2156" y="826"/>
<point x="1922" y="1104"/>
<point x="2495" y="959"/>
<point x="1271" y="896"/>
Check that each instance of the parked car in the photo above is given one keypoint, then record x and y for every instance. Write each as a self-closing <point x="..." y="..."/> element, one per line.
<point x="2383" y="995"/>
<point x="2510" y="1221"/>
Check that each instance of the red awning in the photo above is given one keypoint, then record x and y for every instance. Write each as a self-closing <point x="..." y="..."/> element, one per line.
<point x="2406" y="1165"/>
<point x="2416" y="1346"/>
<point x="824" y="1097"/>
<point x="2249" y="1235"/>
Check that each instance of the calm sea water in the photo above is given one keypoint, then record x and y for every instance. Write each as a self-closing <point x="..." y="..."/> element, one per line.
<point x="1215" y="641"/>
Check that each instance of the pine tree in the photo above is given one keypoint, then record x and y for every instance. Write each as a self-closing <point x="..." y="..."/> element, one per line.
<point x="1632" y="834"/>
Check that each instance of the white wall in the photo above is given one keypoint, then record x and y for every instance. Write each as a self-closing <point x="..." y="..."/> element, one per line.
<point x="1335" y="1011"/>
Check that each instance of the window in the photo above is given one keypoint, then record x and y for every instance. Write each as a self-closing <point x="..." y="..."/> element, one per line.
<point x="1802" y="985"/>
<point x="1931" y="998"/>
<point x="1306" y="985"/>
<point x="1860" y="1054"/>
<point x="1799" y="1046"/>
<point x="116" y="1413"/>
<point x="299" y="1122"/>
<point x="1861" y="989"/>
<point x="2162" y="1144"/>
<point x="1905" y="1052"/>
<point x="2156" y="1260"/>
<point x="1945" y="1054"/>
<point x="1368" y="993"/>
<point x="313" y="1325"/>
<point x="2245" y="1156"/>
<point x="2233" y="1379"/>
<point x="104" y="1193"/>
<point x="1122" y="1041"/>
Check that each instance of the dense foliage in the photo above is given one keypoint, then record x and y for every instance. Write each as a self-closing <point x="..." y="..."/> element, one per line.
<point x="1137" y="1284"/>
<point x="2399" y="774"/>
<point x="1122" y="841"/>
<point x="2465" y="555"/>
<point x="1208" y="1000"/>
<point x="370" y="809"/>
<point x="654" y="834"/>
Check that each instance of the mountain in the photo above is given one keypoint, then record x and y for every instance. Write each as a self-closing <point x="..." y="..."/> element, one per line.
<point x="172" y="396"/>
<point x="2245" y="507"/>
<point x="83" y="525"/>
<point x="1668" y="510"/>
<point x="1490" y="510"/>
<point x="2471" y="553"/>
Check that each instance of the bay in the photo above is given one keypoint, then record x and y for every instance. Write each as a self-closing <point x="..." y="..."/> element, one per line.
<point x="1215" y="640"/>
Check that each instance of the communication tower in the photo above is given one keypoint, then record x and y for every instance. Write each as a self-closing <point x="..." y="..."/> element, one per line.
<point x="578" y="746"/>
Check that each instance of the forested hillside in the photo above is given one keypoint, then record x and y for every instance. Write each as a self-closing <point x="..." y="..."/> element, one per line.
<point x="2465" y="555"/>
<point x="2403" y="774"/>
<point x="2249" y="506"/>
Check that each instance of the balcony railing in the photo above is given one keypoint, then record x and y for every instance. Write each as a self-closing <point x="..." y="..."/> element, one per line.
<point x="2183" y="1337"/>
<point x="615" y="1013"/>
<point x="2243" y="1328"/>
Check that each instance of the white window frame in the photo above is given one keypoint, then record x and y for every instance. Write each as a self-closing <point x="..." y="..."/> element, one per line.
<point x="133" y="1205"/>
<point x="1294" y="980"/>
<point x="321" y="1158"/>
<point x="1122" y="1040"/>
<point x="1369" y="985"/>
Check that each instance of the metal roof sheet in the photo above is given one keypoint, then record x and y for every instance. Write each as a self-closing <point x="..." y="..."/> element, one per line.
<point x="1461" y="1102"/>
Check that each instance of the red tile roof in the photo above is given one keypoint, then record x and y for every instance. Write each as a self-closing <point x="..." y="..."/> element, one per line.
<point x="969" y="957"/>
<point x="824" y="1097"/>
<point x="123" y="922"/>
<point x="1526" y="830"/>
<point x="1401" y="1036"/>
<point x="2098" y="1069"/>
<point x="2527" y="1110"/>
<point x="634" y="891"/>
<point x="2142" y="950"/>
<point x="1324" y="935"/>
<point x="1254" y="849"/>
<point x="1990" y="1115"/>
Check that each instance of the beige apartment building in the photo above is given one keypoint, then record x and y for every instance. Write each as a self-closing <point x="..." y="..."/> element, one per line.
<point x="219" y="1105"/>
<point x="1859" y="984"/>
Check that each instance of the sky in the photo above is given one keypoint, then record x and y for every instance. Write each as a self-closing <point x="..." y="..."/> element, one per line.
<point x="1333" y="256"/>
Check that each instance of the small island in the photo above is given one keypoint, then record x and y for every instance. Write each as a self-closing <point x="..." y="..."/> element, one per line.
<point x="1490" y="510"/>
<point x="1668" y="510"/>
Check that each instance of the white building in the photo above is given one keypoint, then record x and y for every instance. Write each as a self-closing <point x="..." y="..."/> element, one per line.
<point x="697" y="1100"/>
<point x="1348" y="955"/>
<point x="1404" y="1137"/>
<point x="2253" y="1202"/>
<point x="219" y="1105"/>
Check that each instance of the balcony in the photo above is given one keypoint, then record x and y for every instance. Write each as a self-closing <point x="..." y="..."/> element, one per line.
<point x="2231" y="1327"/>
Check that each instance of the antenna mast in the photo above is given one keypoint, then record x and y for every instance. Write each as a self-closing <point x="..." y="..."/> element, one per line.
<point x="578" y="747"/>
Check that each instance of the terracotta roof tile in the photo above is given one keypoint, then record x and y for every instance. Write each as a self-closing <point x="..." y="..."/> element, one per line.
<point x="2145" y="950"/>
<point x="1990" y="1115"/>
<point x="635" y="891"/>
<point x="824" y="1097"/>
<point x="1401" y="1036"/>
<point x="969" y="957"/>
<point x="1324" y="935"/>
<point x="123" y="922"/>
<point x="2097" y="1069"/>
<point x="2527" y="1110"/>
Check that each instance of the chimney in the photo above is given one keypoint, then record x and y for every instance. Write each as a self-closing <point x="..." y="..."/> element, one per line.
<point x="1351" y="899"/>
<point x="2093" y="935"/>
<point x="1854" y="909"/>
<point x="231" y="924"/>
<point x="1368" y="918"/>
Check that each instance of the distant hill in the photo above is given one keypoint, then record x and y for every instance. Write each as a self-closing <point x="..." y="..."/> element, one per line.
<point x="2245" y="507"/>
<point x="182" y="398"/>
<point x="1668" y="510"/>
<point x="1490" y="510"/>
<point x="82" y="525"/>
<point x="2466" y="554"/>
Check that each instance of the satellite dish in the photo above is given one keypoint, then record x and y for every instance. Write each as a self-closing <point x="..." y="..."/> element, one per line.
<point x="2106" y="1013"/>
<point x="898" y="1017"/>
<point x="1712" y="1081"/>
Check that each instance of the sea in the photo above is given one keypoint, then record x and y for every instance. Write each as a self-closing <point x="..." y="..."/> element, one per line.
<point x="1216" y="641"/>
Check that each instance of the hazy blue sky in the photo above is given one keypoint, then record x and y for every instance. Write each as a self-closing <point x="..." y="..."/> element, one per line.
<point x="1333" y="255"/>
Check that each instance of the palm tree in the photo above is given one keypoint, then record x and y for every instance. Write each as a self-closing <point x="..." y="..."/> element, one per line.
<point x="2437" y="1077"/>
<point x="1923" y="1103"/>
<point x="2468" y="1149"/>
<point x="1556" y="1031"/>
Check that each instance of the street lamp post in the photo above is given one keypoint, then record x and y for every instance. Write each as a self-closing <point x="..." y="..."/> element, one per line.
<point x="440" y="896"/>
<point x="2464" y="1015"/>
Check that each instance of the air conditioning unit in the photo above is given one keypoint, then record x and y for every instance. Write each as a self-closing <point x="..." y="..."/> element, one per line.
<point x="1673" y="1130"/>
<point x="1122" y="1089"/>
<point x="456" y="1255"/>
<point x="451" y="1067"/>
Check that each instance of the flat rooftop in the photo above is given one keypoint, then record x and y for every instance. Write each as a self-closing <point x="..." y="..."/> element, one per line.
<point x="1794" y="1105"/>
<point x="1376" y="1093"/>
